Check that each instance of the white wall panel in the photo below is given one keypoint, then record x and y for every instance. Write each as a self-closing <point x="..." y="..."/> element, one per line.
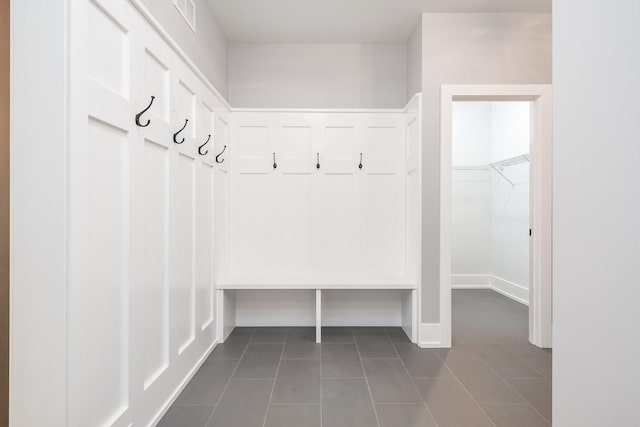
<point x="182" y="293"/>
<point x="139" y="217"/>
<point x="300" y="222"/>
<point x="288" y="226"/>
<point x="153" y="292"/>
<point x="102" y="369"/>
<point x="185" y="108"/>
<point x="204" y="246"/>
<point x="332" y="234"/>
<point x="157" y="83"/>
<point x="249" y="242"/>
<point x="109" y="51"/>
<point x="384" y="225"/>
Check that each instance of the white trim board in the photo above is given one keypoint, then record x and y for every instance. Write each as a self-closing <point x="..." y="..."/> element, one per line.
<point x="431" y="336"/>
<point x="540" y="97"/>
<point x="505" y="287"/>
<point x="183" y="384"/>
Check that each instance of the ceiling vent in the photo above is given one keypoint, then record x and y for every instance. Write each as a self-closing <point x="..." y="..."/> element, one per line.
<point x="187" y="9"/>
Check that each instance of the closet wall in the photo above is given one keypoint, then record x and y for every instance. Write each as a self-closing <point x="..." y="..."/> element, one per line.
<point x="490" y="242"/>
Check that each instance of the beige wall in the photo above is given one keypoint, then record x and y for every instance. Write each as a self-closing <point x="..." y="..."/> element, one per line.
<point x="414" y="61"/>
<point x="4" y="212"/>
<point x="463" y="48"/>
<point x="317" y="75"/>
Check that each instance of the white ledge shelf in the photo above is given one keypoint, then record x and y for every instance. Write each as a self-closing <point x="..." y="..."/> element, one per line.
<point x="253" y="284"/>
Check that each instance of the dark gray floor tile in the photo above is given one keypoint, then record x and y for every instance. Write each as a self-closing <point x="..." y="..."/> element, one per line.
<point x="232" y="348"/>
<point x="483" y="384"/>
<point x="450" y="404"/>
<point x="298" y="381"/>
<point x="259" y="361"/>
<point x="405" y="415"/>
<point x="301" y="350"/>
<point x="397" y="335"/>
<point x="294" y="416"/>
<point x="422" y="362"/>
<point x="242" y="332"/>
<point x="374" y="346"/>
<point x="186" y="416"/>
<point x="243" y="404"/>
<point x="370" y="331"/>
<point x="269" y="336"/>
<point x="508" y="366"/>
<point x="542" y="365"/>
<point x="464" y="349"/>
<point x="389" y="381"/>
<point x="331" y="335"/>
<point x="304" y="334"/>
<point x="341" y="360"/>
<point x="514" y="414"/>
<point x="207" y="385"/>
<point x="521" y="348"/>
<point x="536" y="391"/>
<point x="347" y="403"/>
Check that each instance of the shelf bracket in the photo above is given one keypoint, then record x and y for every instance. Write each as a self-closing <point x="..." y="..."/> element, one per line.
<point x="502" y="175"/>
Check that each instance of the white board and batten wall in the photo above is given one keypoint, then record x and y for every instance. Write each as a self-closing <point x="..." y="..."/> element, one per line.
<point x="297" y="228"/>
<point x="140" y="237"/>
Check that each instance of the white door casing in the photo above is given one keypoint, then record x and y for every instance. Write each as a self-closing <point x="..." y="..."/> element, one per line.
<point x="540" y="304"/>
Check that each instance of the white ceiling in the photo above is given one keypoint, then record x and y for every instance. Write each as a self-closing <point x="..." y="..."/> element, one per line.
<point x="335" y="21"/>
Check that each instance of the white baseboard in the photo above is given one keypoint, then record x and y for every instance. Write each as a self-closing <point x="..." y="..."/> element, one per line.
<point x="174" y="396"/>
<point x="470" y="281"/>
<point x="509" y="289"/>
<point x="430" y="336"/>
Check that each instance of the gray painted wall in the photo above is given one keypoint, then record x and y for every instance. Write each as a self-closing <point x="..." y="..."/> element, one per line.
<point x="345" y="75"/>
<point x="596" y="247"/>
<point x="207" y="47"/>
<point x="414" y="61"/>
<point x="468" y="48"/>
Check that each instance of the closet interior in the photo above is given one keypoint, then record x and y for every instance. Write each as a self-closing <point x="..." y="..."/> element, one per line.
<point x="491" y="197"/>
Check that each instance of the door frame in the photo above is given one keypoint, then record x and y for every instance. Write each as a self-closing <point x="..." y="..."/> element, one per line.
<point x="540" y="287"/>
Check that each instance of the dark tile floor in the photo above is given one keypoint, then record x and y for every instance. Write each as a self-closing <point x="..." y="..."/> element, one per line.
<point x="374" y="377"/>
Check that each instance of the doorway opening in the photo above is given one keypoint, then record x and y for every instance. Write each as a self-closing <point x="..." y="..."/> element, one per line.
<point x="490" y="197"/>
<point x="496" y="198"/>
<point x="490" y="229"/>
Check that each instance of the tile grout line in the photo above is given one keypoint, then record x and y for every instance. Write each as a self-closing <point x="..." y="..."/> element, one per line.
<point x="275" y="379"/>
<point x="465" y="389"/>
<point x="366" y="380"/>
<point x="411" y="378"/>
<point x="224" y="390"/>
<point x="505" y="381"/>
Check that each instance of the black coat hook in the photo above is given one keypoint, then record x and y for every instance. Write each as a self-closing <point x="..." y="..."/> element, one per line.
<point x="275" y="165"/>
<point x="202" y="146"/>
<point x="142" y="112"/>
<point x="317" y="160"/>
<point x="218" y="156"/>
<point x="360" y="165"/>
<point x="175" y="135"/>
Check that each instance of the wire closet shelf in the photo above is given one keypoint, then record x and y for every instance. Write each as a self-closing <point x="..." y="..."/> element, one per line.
<point x="497" y="166"/>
